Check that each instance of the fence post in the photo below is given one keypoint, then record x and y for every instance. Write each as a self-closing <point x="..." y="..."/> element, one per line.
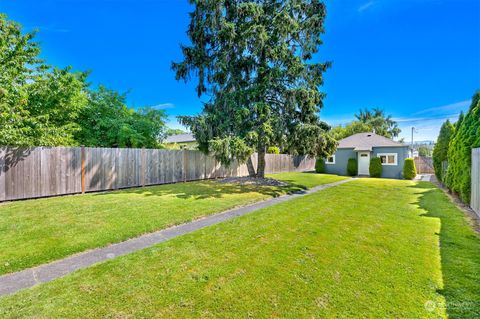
<point x="82" y="168"/>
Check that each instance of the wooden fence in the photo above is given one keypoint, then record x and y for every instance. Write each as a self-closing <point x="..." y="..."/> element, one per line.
<point x="475" y="198"/>
<point x="424" y="165"/>
<point x="50" y="171"/>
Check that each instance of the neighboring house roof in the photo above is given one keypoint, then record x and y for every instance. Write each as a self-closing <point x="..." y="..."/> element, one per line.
<point x="180" y="138"/>
<point x="366" y="141"/>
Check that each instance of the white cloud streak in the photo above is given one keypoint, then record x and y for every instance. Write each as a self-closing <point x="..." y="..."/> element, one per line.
<point x="163" y="106"/>
<point x="365" y="6"/>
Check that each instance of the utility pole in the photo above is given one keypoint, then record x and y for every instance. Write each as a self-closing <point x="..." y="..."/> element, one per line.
<point x="413" y="131"/>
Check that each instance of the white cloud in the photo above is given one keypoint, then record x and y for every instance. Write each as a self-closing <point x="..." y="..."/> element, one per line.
<point x="365" y="6"/>
<point x="458" y="106"/>
<point x="163" y="106"/>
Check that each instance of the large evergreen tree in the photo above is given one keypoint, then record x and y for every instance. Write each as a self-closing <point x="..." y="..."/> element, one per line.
<point x="440" y="152"/>
<point x="254" y="61"/>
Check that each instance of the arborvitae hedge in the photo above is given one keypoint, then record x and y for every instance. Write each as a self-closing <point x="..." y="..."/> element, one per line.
<point x="375" y="167"/>
<point x="409" y="169"/>
<point x="320" y="166"/>
<point x="440" y="152"/>
<point x="466" y="137"/>
<point x="352" y="168"/>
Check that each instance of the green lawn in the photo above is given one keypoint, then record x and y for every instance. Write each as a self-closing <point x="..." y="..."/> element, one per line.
<point x="307" y="180"/>
<point x="369" y="248"/>
<point x="38" y="231"/>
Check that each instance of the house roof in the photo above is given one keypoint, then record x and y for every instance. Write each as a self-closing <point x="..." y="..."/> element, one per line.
<point x="366" y="141"/>
<point x="180" y="138"/>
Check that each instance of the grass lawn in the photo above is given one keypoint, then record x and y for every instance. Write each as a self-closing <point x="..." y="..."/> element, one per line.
<point x="38" y="231"/>
<point x="307" y="180"/>
<point x="369" y="248"/>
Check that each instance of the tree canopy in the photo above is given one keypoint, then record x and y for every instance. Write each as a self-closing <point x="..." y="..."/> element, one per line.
<point x="354" y="127"/>
<point x="368" y="121"/>
<point x="377" y="119"/>
<point x="41" y="105"/>
<point x="253" y="59"/>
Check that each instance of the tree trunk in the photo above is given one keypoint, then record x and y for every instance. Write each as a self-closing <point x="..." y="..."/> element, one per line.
<point x="261" y="162"/>
<point x="251" y="169"/>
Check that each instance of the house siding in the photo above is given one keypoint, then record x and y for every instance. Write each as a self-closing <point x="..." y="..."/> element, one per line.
<point x="341" y="160"/>
<point x="388" y="171"/>
<point x="393" y="171"/>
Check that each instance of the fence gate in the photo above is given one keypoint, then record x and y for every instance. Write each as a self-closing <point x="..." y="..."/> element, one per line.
<point x="424" y="165"/>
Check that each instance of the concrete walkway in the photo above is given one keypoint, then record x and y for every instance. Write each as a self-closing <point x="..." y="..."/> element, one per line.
<point x="27" y="278"/>
<point x="423" y="177"/>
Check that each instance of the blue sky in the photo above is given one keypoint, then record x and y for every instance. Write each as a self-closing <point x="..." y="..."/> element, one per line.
<point x="417" y="59"/>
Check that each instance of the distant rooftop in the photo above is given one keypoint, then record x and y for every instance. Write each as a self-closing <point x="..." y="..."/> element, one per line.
<point x="180" y="138"/>
<point x="365" y="142"/>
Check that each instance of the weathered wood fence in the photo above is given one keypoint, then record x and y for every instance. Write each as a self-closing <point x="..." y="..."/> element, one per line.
<point x="50" y="171"/>
<point x="424" y="165"/>
<point x="475" y="198"/>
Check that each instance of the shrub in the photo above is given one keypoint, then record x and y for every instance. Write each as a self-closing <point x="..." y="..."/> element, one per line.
<point x="440" y="150"/>
<point x="375" y="167"/>
<point x="273" y="150"/>
<point x="409" y="169"/>
<point x="466" y="137"/>
<point x="352" y="168"/>
<point x="320" y="166"/>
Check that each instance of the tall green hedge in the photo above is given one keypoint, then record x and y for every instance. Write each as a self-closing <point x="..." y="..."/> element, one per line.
<point x="375" y="167"/>
<point x="352" y="168"/>
<point x="409" y="169"/>
<point x="320" y="166"/>
<point x="466" y="137"/>
<point x="440" y="152"/>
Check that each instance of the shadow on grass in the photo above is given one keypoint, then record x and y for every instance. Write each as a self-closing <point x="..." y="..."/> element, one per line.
<point x="209" y="189"/>
<point x="459" y="251"/>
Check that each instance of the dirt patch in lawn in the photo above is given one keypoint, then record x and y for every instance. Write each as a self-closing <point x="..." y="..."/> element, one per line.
<point x="252" y="181"/>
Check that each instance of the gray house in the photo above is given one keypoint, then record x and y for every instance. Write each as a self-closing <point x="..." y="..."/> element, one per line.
<point x="362" y="147"/>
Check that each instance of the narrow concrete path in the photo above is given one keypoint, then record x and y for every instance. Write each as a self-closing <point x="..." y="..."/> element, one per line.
<point x="27" y="278"/>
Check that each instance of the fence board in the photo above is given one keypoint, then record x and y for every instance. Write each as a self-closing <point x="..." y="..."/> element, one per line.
<point x="49" y="171"/>
<point x="475" y="197"/>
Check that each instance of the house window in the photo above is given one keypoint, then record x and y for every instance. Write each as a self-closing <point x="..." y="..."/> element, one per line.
<point x="330" y="159"/>
<point x="388" y="158"/>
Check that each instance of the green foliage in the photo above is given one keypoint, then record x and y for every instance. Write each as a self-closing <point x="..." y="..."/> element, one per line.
<point x="43" y="105"/>
<point x="379" y="121"/>
<point x="339" y="132"/>
<point x="424" y="151"/>
<point x="273" y="150"/>
<point x="107" y="122"/>
<point x="466" y="137"/>
<point x="254" y="59"/>
<point x="320" y="165"/>
<point x="409" y="169"/>
<point x="375" y="167"/>
<point x="440" y="151"/>
<point x="174" y="131"/>
<point x="352" y="167"/>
